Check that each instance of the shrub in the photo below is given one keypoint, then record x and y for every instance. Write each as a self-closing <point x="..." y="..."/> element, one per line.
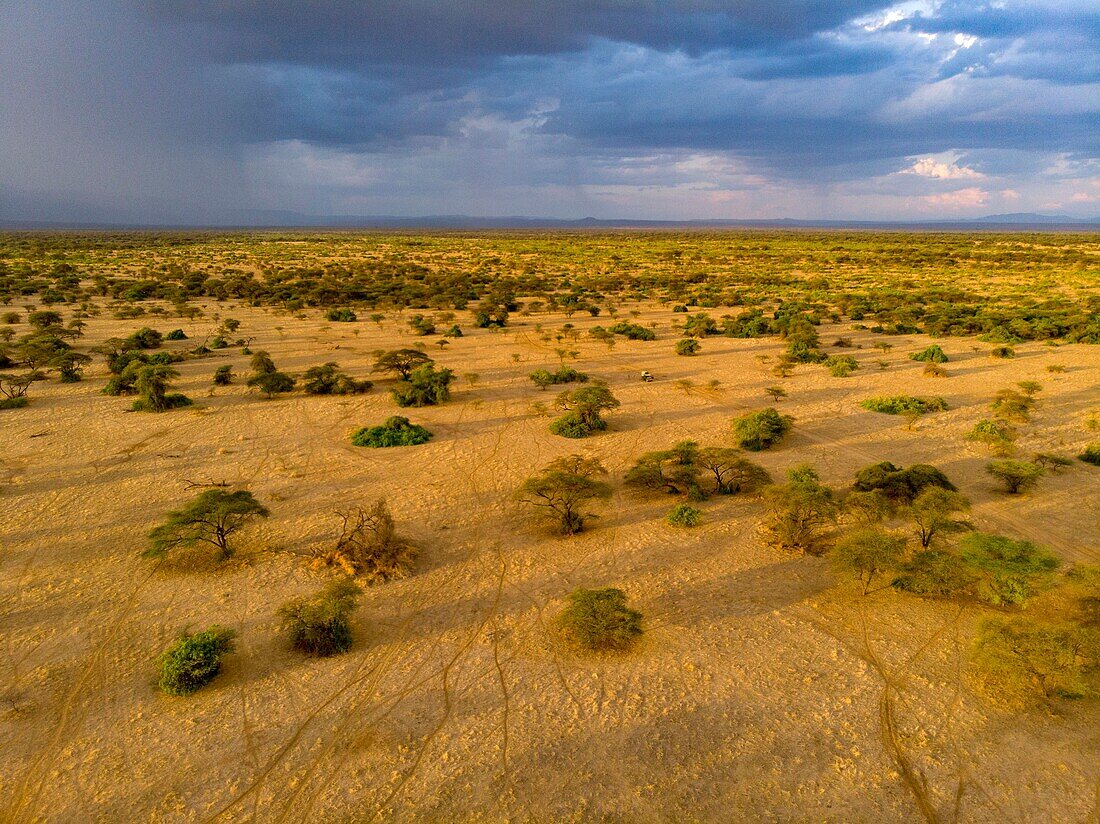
<point x="841" y="366"/>
<point x="683" y="515"/>
<point x="934" y="370"/>
<point x="1023" y="657"/>
<point x="599" y="620"/>
<point x="327" y="379"/>
<point x="223" y="375"/>
<point x="319" y="625"/>
<point x="900" y="485"/>
<point x="213" y="517"/>
<point x="176" y="334"/>
<point x="997" y="435"/>
<point x="687" y="347"/>
<point x="1091" y="455"/>
<point x="867" y="553"/>
<point x="395" y="431"/>
<point x="632" y="331"/>
<point x="761" y="430"/>
<point x="144" y="338"/>
<point x="341" y="316"/>
<point x="194" y="660"/>
<point x="151" y="383"/>
<point x="272" y="383"/>
<point x="564" y="489"/>
<point x="425" y="386"/>
<point x="369" y="546"/>
<point x="935" y="572"/>
<point x="1002" y="352"/>
<point x="799" y="512"/>
<point x="1011" y="571"/>
<point x="900" y="404"/>
<point x="583" y="408"/>
<point x="933" y="354"/>
<point x="420" y="325"/>
<point x="1017" y="476"/>
<point x="1011" y="405"/>
<point x="564" y="374"/>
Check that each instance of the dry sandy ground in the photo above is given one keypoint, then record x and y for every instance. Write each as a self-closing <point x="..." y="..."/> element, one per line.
<point x="764" y="690"/>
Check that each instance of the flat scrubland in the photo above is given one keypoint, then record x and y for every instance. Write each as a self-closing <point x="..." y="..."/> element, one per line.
<point x="765" y="684"/>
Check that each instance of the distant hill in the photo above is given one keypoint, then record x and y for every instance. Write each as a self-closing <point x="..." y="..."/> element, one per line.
<point x="20" y="211"/>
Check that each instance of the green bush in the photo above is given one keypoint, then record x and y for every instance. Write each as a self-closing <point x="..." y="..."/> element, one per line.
<point x="272" y="383"/>
<point x="901" y="486"/>
<point x="761" y="430"/>
<point x="223" y="375"/>
<point x="14" y="403"/>
<point x="583" y="408"/>
<point x="318" y="625"/>
<point x="151" y="383"/>
<point x="341" y="316"/>
<point x="194" y="660"/>
<point x="935" y="572"/>
<point x="599" y="620"/>
<point x="902" y="404"/>
<point x="395" y="431"/>
<point x="564" y="374"/>
<point x="176" y="334"/>
<point x="933" y="354"/>
<point x="997" y="435"/>
<point x="1002" y="352"/>
<point x="632" y="331"/>
<point x="684" y="515"/>
<point x="841" y="366"/>
<point x="1011" y="571"/>
<point x="425" y="386"/>
<point x="1021" y="657"/>
<point x="1091" y="455"/>
<point x="687" y="347"/>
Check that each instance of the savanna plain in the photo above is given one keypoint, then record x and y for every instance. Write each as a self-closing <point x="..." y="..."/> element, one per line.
<point x="549" y="527"/>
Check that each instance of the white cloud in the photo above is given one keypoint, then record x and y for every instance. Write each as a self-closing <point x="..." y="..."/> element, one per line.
<point x="945" y="168"/>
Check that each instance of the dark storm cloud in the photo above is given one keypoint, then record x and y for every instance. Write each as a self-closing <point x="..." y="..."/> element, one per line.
<point x="353" y="33"/>
<point x="203" y="106"/>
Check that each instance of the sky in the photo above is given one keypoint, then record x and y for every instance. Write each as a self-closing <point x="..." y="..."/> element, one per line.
<point x="197" y="111"/>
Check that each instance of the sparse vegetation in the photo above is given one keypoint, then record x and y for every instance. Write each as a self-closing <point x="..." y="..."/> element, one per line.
<point x="194" y="660"/>
<point x="599" y="620"/>
<point x="319" y="625"/>
<point x="761" y="430"/>
<point x="394" y="431"/>
<point x="901" y="404"/>
<point x="213" y="517"/>
<point x="564" y="489"/>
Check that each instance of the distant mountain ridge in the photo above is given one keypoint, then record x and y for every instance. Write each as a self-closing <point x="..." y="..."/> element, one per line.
<point x="20" y="212"/>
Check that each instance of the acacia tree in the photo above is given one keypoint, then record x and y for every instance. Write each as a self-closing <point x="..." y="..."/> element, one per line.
<point x="564" y="489"/>
<point x="400" y="362"/>
<point x="934" y="512"/>
<point x="212" y="518"/>
<point x="867" y="553"/>
<point x="1017" y="476"/>
<point x="582" y="409"/>
<point x="799" y="512"/>
<point x="669" y="470"/>
<point x="732" y="472"/>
